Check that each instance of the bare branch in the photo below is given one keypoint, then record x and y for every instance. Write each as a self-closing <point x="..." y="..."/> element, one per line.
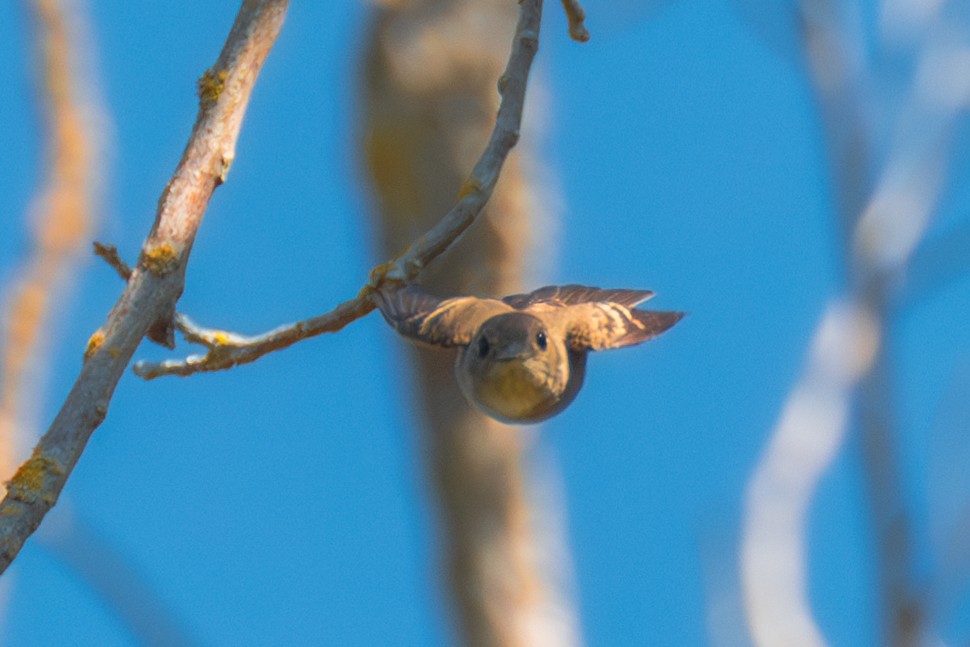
<point x="229" y="349"/>
<point x="226" y="349"/>
<point x="156" y="282"/>
<point x="479" y="186"/>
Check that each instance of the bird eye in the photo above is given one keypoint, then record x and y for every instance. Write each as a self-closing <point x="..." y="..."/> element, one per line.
<point x="541" y="340"/>
<point x="482" y="346"/>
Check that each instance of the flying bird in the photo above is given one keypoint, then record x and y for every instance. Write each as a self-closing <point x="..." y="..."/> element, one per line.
<point x="522" y="358"/>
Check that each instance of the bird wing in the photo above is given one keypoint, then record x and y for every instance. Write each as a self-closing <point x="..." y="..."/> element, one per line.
<point x="577" y="294"/>
<point x="600" y="326"/>
<point x="595" y="319"/>
<point x="425" y="318"/>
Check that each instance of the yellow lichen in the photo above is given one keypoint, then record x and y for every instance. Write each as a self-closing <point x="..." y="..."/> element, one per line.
<point x="221" y="338"/>
<point x="469" y="187"/>
<point x="94" y="343"/>
<point x="211" y="84"/>
<point x="160" y="259"/>
<point x="27" y="484"/>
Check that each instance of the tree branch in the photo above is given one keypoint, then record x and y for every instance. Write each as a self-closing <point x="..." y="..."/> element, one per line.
<point x="226" y="349"/>
<point x="157" y="281"/>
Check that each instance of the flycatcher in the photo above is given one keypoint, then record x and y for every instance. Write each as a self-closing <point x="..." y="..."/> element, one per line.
<point x="522" y="359"/>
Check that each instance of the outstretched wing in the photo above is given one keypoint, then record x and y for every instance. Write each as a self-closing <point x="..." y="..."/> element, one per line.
<point x="425" y="318"/>
<point x="595" y="319"/>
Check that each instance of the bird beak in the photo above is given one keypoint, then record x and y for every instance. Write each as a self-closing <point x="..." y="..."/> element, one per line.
<point x="512" y="351"/>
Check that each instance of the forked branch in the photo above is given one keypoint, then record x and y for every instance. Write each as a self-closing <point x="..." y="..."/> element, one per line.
<point x="148" y="301"/>
<point x="147" y="305"/>
<point x="226" y="349"/>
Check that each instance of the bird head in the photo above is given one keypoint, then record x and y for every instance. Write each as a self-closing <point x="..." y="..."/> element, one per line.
<point x="515" y="368"/>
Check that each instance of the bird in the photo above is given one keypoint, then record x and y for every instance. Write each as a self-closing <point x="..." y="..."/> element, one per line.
<point x="522" y="358"/>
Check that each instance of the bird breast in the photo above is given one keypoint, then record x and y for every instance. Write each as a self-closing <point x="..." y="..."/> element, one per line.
<point x="516" y="390"/>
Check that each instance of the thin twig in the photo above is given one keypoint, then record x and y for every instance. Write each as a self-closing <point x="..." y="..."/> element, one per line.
<point x="226" y="346"/>
<point x="577" y="20"/>
<point x="226" y="349"/>
<point x="157" y="281"/>
<point x="110" y="254"/>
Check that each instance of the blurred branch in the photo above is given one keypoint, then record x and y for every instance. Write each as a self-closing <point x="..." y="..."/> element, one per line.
<point x="62" y="219"/>
<point x="813" y="420"/>
<point x="936" y="263"/>
<point x="883" y="221"/>
<point x="226" y="349"/>
<point x="112" y="577"/>
<point x="948" y="507"/>
<point x="148" y="301"/>
<point x="833" y="50"/>
<point x="890" y="229"/>
<point x="808" y="435"/>
<point x="724" y="599"/>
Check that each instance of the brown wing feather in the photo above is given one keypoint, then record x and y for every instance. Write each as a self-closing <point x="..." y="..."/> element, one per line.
<point x="575" y="294"/>
<point x="425" y="318"/>
<point x="603" y="325"/>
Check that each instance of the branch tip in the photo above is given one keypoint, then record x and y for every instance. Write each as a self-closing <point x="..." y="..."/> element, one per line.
<point x="109" y="253"/>
<point x="577" y="20"/>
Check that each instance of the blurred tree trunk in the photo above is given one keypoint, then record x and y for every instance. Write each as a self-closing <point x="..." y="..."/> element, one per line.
<point x="430" y="99"/>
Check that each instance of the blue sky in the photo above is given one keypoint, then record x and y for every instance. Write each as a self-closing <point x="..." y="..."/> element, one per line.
<point x="284" y="502"/>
